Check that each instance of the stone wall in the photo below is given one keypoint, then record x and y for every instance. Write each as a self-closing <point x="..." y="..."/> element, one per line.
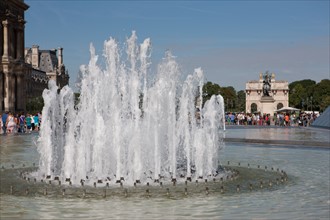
<point x="12" y="67"/>
<point x="23" y="74"/>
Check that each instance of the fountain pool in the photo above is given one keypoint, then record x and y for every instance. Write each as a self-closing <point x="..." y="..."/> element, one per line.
<point x="306" y="196"/>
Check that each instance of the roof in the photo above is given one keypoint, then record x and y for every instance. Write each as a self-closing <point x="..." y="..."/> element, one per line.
<point x="323" y="121"/>
<point x="48" y="60"/>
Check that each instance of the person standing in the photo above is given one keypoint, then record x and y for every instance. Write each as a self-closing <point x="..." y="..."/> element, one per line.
<point x="1" y="125"/>
<point x="287" y="119"/>
<point x="40" y="119"/>
<point x="11" y="123"/>
<point x="4" y="121"/>
<point x="36" y="122"/>
<point x="17" y="127"/>
<point x="22" y="122"/>
<point x="28" y="122"/>
<point x="32" y="122"/>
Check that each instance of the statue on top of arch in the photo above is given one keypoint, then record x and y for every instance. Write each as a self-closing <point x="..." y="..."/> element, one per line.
<point x="266" y="84"/>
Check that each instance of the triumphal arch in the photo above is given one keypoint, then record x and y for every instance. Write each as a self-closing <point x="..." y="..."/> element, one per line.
<point x="266" y="95"/>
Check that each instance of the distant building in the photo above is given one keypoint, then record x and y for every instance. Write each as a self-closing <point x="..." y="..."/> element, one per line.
<point x="45" y="65"/>
<point x="277" y="96"/>
<point x="24" y="73"/>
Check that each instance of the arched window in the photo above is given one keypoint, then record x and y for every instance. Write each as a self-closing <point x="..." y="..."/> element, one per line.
<point x="254" y="108"/>
<point x="279" y="105"/>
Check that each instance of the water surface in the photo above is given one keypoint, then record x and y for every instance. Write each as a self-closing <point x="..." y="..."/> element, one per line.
<point x="306" y="196"/>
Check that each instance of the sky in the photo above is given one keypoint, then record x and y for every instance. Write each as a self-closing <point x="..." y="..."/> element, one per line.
<point x="231" y="41"/>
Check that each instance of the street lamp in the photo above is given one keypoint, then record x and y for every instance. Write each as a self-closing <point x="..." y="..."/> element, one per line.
<point x="311" y="103"/>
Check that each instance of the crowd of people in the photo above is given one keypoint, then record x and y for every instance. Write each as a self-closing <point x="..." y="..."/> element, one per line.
<point x="19" y="123"/>
<point x="26" y="123"/>
<point x="278" y="119"/>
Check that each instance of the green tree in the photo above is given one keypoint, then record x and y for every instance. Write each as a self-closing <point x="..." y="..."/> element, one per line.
<point x="210" y="89"/>
<point x="300" y="93"/>
<point x="321" y="95"/>
<point x="325" y="103"/>
<point x="233" y="101"/>
<point x="306" y="83"/>
<point x="229" y="97"/>
<point x="297" y="96"/>
<point x="307" y="95"/>
<point x="241" y="101"/>
<point x="35" y="105"/>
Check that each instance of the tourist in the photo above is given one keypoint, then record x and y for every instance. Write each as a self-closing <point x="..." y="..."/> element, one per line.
<point x="292" y="119"/>
<point x="232" y="118"/>
<point x="32" y="123"/>
<point x="249" y="119"/>
<point x="287" y="119"/>
<point x="17" y="122"/>
<point x="4" y="120"/>
<point x="267" y="119"/>
<point x="40" y="119"/>
<point x="257" y="119"/>
<point x="281" y="119"/>
<point x="36" y="122"/>
<point x="22" y="123"/>
<point x="11" y="123"/>
<point x="28" y="122"/>
<point x="254" y="119"/>
<point x="1" y="125"/>
<point x="277" y="119"/>
<point x="239" y="119"/>
<point x="261" y="119"/>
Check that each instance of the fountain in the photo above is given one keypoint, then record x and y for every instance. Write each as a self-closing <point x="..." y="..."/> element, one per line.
<point x="131" y="131"/>
<point x="129" y="126"/>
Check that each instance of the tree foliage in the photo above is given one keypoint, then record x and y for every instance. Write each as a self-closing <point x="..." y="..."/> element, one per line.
<point x="228" y="93"/>
<point x="230" y="98"/>
<point x="210" y="89"/>
<point x="321" y="94"/>
<point x="306" y="83"/>
<point x="35" y="105"/>
<point x="309" y="95"/>
<point x="241" y="101"/>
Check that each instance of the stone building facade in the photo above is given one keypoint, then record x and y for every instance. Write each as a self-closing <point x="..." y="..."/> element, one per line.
<point x="13" y="69"/>
<point x="24" y="73"/>
<point x="256" y="101"/>
<point x="45" y="65"/>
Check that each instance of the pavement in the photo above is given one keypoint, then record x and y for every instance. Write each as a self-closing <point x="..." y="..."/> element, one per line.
<point x="275" y="135"/>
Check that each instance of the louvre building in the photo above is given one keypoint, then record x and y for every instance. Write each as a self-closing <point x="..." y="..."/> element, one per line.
<point x="24" y="72"/>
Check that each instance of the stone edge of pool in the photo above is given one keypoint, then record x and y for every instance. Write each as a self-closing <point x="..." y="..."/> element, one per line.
<point x="295" y="143"/>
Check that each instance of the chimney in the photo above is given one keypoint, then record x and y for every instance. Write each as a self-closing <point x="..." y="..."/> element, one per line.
<point x="35" y="56"/>
<point x="60" y="56"/>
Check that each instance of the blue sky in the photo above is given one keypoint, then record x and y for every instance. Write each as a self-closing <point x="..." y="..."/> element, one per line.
<point x="232" y="41"/>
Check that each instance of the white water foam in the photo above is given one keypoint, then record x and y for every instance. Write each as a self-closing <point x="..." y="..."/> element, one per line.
<point x="128" y="125"/>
